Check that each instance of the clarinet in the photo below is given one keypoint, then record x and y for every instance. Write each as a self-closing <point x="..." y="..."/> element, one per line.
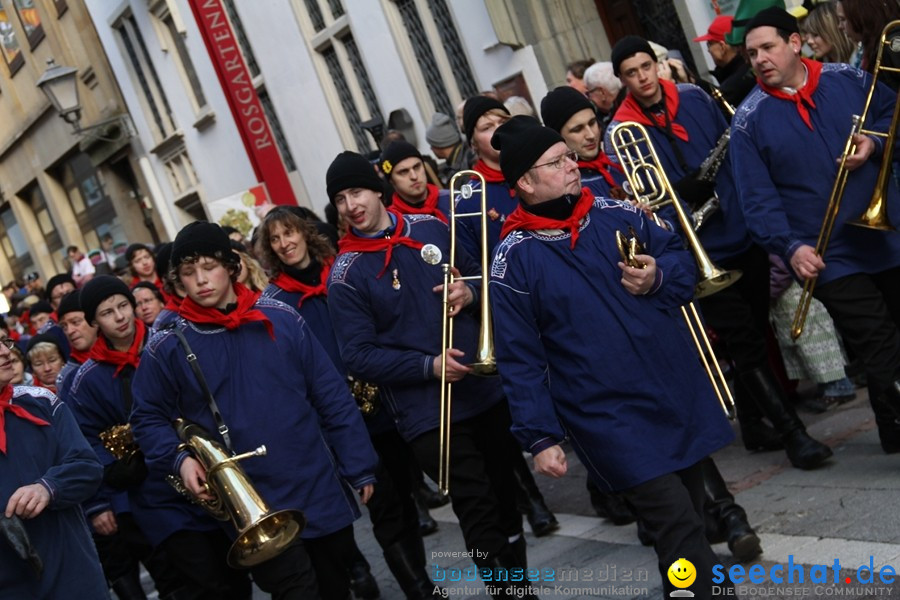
<point x="709" y="168"/>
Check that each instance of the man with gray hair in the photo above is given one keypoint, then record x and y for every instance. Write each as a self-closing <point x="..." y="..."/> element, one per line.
<point x="603" y="89"/>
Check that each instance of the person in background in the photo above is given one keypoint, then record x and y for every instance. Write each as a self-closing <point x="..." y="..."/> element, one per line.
<point x="149" y="302"/>
<point x="81" y="336"/>
<point x="252" y="274"/>
<point x="20" y="375"/>
<point x="864" y="21"/>
<point x="39" y="315"/>
<point x="517" y="105"/>
<point x="82" y="268"/>
<point x="575" y="73"/>
<point x="46" y="359"/>
<point x="732" y="71"/>
<point x="603" y="89"/>
<point x="823" y="35"/>
<point x="142" y="265"/>
<point x="446" y="143"/>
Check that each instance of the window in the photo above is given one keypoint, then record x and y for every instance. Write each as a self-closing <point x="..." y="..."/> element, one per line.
<point x="90" y="204"/>
<point x="31" y="21"/>
<point x="33" y="196"/>
<point x="436" y="62"/>
<point x="61" y="7"/>
<point x="341" y="69"/>
<point x="13" y="242"/>
<point x="11" y="51"/>
<point x="153" y="98"/>
<point x="172" y="37"/>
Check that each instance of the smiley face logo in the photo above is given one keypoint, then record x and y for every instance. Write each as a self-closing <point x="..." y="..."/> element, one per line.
<point x="682" y="573"/>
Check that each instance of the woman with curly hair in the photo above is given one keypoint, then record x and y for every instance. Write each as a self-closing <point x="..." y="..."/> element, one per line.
<point x="823" y="35"/>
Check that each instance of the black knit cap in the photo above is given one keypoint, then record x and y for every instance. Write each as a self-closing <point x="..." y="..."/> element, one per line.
<point x="40" y="307"/>
<point x="627" y="47"/>
<point x="351" y="170"/>
<point x="521" y="141"/>
<point x="131" y="250"/>
<point x="474" y="108"/>
<point x="44" y="337"/>
<point x="776" y="17"/>
<point x="201" y="238"/>
<point x="99" y="289"/>
<point x="56" y="280"/>
<point x="561" y="104"/>
<point x="394" y="153"/>
<point x="71" y="302"/>
<point x="163" y="256"/>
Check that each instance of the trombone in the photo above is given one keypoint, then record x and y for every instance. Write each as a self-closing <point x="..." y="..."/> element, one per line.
<point x="875" y="215"/>
<point x="485" y="361"/>
<point x="653" y="187"/>
<point x="649" y="184"/>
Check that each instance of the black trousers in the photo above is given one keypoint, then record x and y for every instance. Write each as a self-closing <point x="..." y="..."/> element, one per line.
<point x="671" y="509"/>
<point x="332" y="556"/>
<point x="482" y="484"/>
<point x="391" y="507"/>
<point x="740" y="312"/>
<point x="866" y="311"/>
<point x="288" y="576"/>
<point x="121" y="552"/>
<point x="199" y="560"/>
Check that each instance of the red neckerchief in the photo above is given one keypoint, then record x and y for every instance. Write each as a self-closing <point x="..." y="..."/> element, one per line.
<point x="289" y="284"/>
<point x="53" y="317"/>
<point x="19" y="411"/>
<point x="522" y="219"/>
<point x="37" y="383"/>
<point x="631" y="111"/>
<point x="602" y="165"/>
<point x="353" y="243"/>
<point x="80" y="356"/>
<point x="400" y="207"/>
<point x="803" y="97"/>
<point x="244" y="313"/>
<point x="491" y="175"/>
<point x="103" y="352"/>
<point x="173" y="302"/>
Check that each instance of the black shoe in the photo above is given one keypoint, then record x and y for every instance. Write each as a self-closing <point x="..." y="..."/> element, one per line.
<point x="129" y="588"/>
<point x="742" y="540"/>
<point x="610" y="505"/>
<point x="406" y="560"/>
<point x="542" y="521"/>
<point x="362" y="583"/>
<point x="431" y="498"/>
<point x="529" y="500"/>
<point x="803" y="451"/>
<point x="427" y="525"/>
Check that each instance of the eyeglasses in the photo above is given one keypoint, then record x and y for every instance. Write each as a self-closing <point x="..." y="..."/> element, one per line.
<point x="560" y="161"/>
<point x="599" y="90"/>
<point x="9" y="343"/>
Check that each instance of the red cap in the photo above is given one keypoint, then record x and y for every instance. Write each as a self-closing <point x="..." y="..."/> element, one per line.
<point x="717" y="29"/>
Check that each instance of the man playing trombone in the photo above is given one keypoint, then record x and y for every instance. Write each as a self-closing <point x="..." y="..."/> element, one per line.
<point x="786" y="149"/>
<point x="589" y="349"/>
<point x="687" y="131"/>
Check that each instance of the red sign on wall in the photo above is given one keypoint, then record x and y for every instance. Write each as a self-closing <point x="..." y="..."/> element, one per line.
<point x="245" y="106"/>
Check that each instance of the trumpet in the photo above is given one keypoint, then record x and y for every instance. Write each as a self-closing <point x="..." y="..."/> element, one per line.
<point x="649" y="184"/>
<point x="875" y="215"/>
<point x="485" y="360"/>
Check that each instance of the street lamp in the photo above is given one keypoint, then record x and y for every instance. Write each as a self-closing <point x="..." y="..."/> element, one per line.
<point x="60" y="85"/>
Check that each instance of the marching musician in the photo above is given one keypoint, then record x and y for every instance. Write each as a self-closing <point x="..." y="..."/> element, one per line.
<point x="81" y="336"/>
<point x="272" y="384"/>
<point x="788" y="139"/>
<point x="641" y="417"/>
<point x="384" y="295"/>
<point x="685" y="127"/>
<point x="46" y="470"/>
<point x="569" y="113"/>
<point x="402" y="165"/>
<point x="169" y="534"/>
<point x="300" y="259"/>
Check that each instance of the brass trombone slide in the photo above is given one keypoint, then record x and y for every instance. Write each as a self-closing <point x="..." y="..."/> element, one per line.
<point x="647" y="188"/>
<point x="485" y="360"/>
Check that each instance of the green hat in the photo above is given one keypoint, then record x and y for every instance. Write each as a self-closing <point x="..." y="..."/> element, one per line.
<point x="746" y="10"/>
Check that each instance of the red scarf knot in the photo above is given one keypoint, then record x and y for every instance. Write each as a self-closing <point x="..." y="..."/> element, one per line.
<point x="631" y="111"/>
<point x="103" y="352"/>
<point x="354" y="243"/>
<point x="289" y="284"/>
<point x="803" y="98"/>
<point x="490" y="174"/>
<point x="80" y="356"/>
<point x="522" y="219"/>
<point x="400" y="207"/>
<point x="602" y="164"/>
<point x="244" y="313"/>
<point x="19" y="411"/>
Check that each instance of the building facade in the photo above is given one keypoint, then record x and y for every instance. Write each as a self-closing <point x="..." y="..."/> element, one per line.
<point x="59" y="188"/>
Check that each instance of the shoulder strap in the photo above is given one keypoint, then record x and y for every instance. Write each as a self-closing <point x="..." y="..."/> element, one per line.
<point x="210" y="401"/>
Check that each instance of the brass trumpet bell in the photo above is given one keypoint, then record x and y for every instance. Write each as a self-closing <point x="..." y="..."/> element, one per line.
<point x="262" y="533"/>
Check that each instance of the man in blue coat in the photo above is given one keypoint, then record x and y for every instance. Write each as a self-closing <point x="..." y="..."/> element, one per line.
<point x="273" y="384"/>
<point x="46" y="470"/>
<point x="591" y="351"/>
<point x="788" y="137"/>
<point x="384" y="295"/>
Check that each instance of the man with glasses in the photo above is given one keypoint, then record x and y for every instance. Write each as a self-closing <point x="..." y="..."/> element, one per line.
<point x="684" y="126"/>
<point x="603" y="89"/>
<point x="561" y="298"/>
